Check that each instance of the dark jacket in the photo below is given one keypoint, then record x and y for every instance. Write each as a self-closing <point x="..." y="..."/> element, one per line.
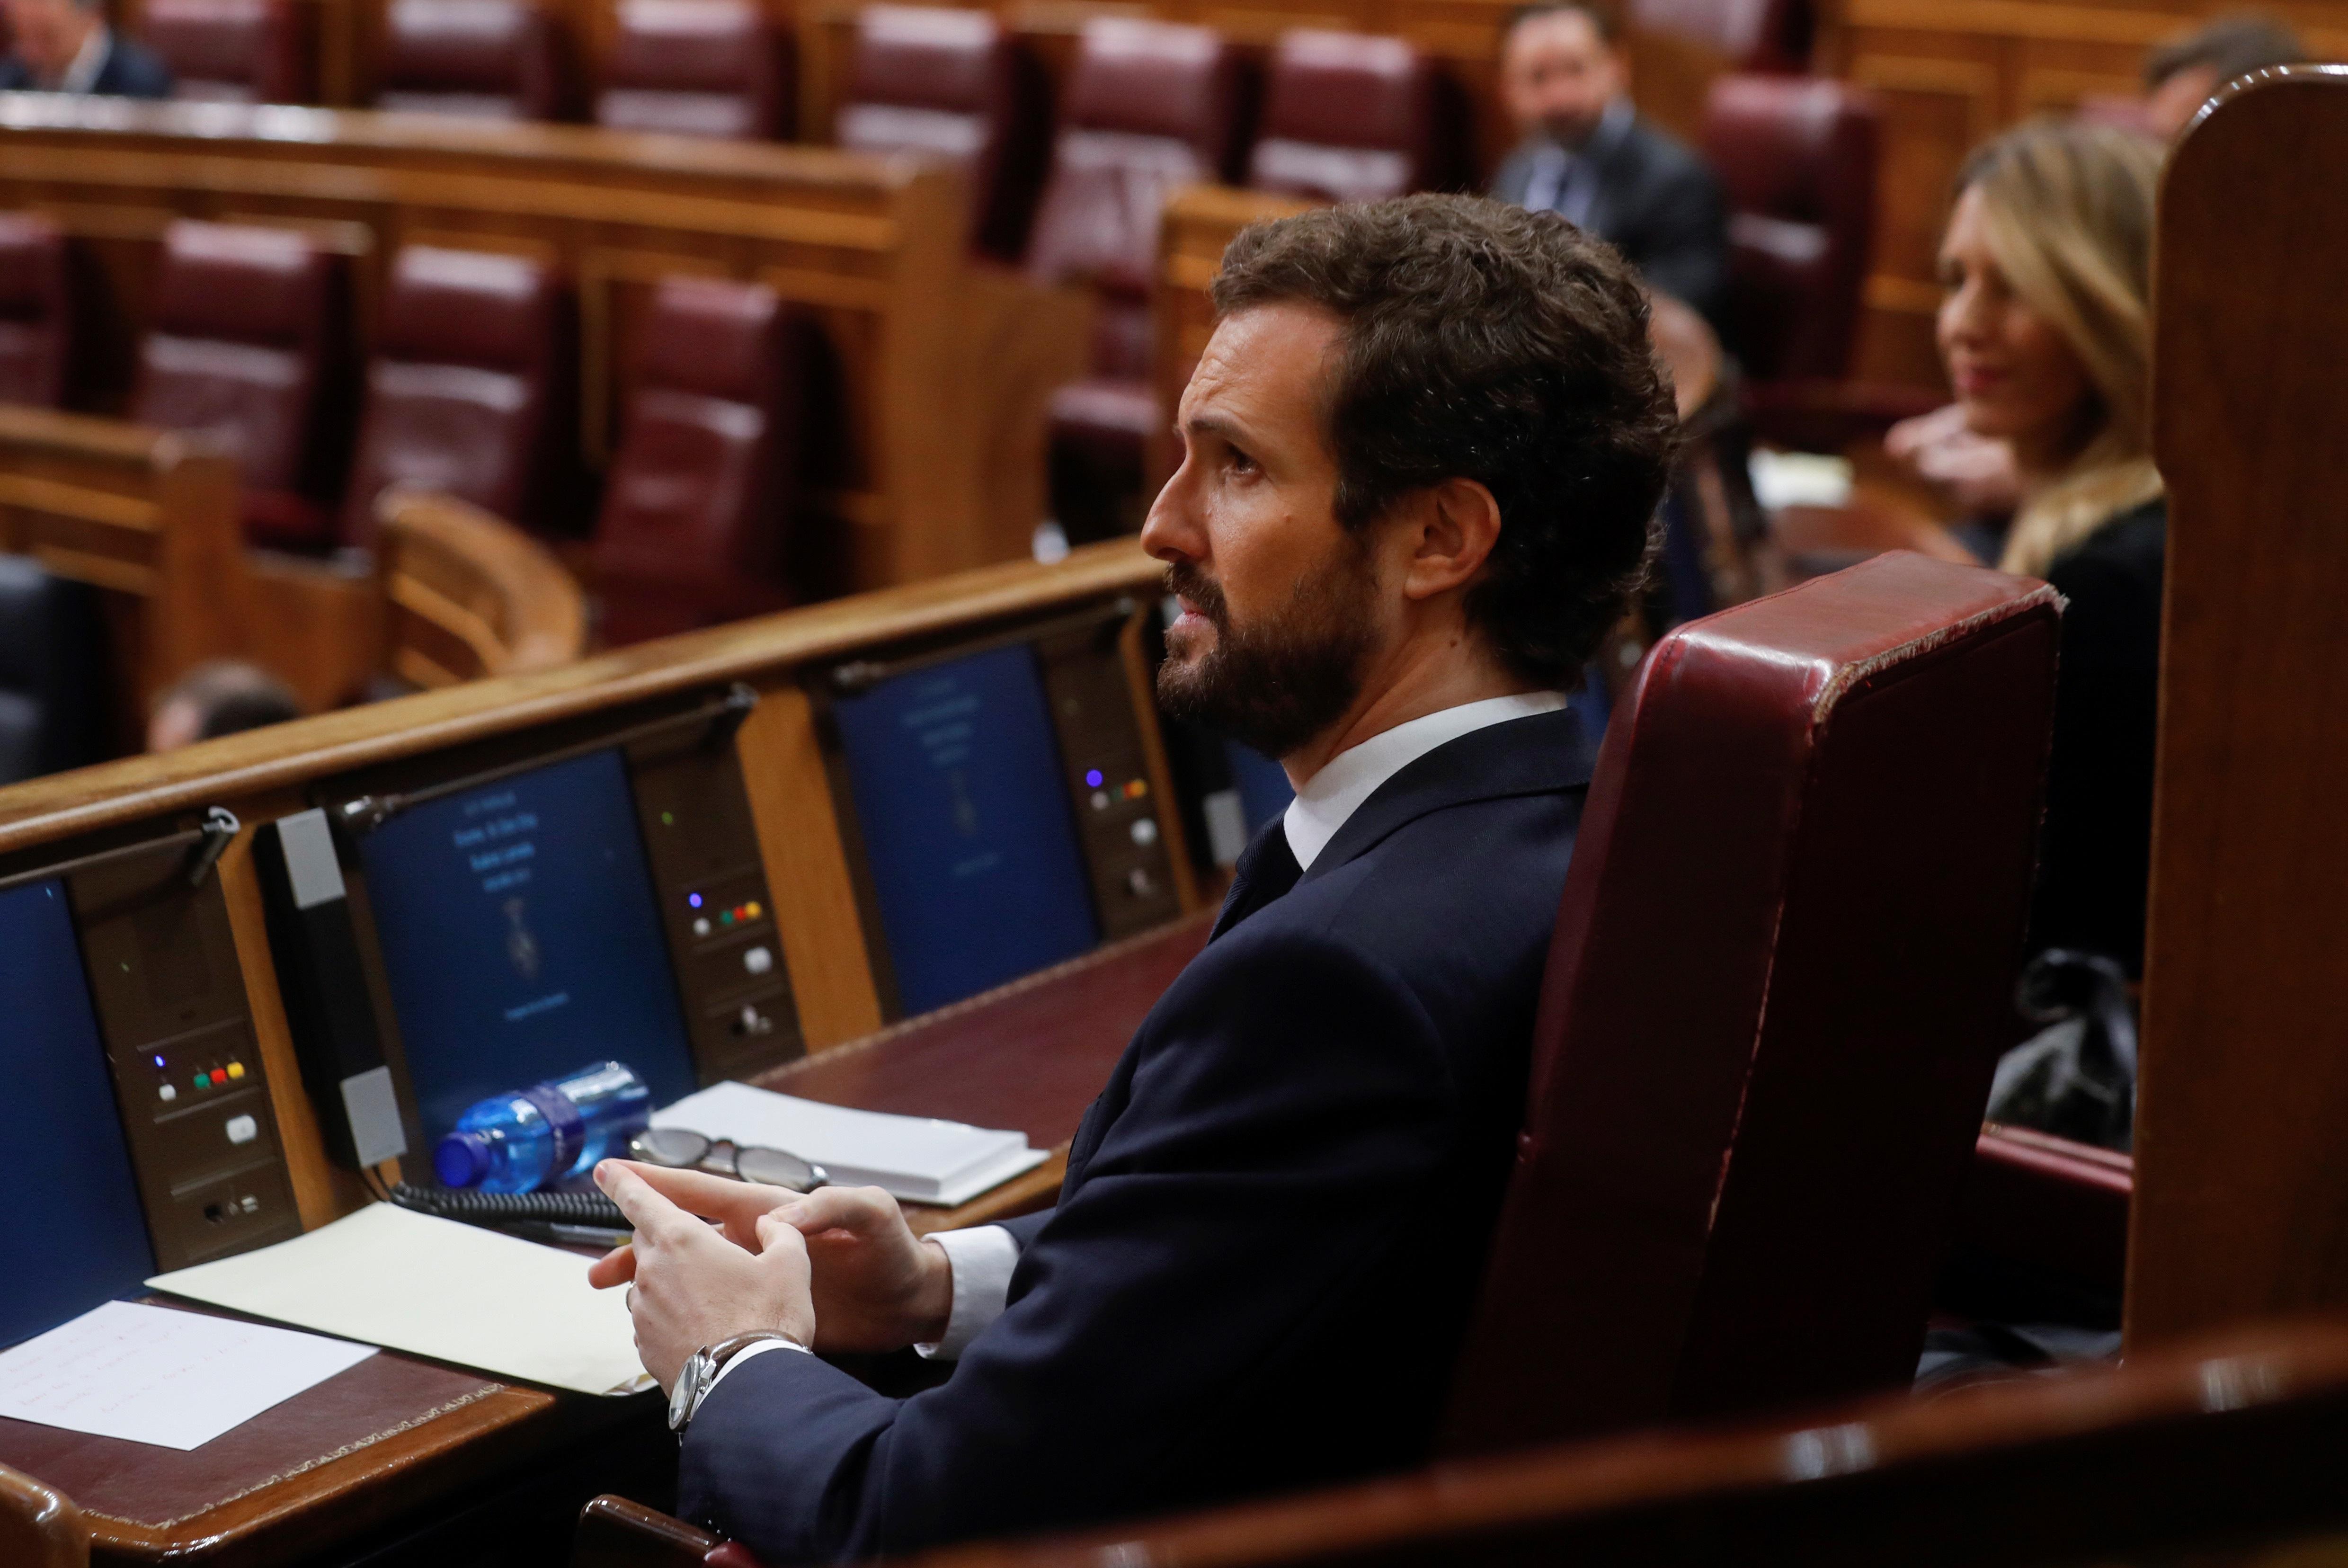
<point x="1274" y="1219"/>
<point x="1657" y="202"/>
<point x="131" y="70"/>
<point x="2094" y="853"/>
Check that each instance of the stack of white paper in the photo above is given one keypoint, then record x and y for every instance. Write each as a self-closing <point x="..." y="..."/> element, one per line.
<point x="913" y="1157"/>
<point x="437" y="1288"/>
<point x="156" y="1375"/>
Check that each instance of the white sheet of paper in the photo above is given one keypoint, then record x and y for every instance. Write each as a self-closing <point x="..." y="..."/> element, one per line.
<point x="156" y="1375"/>
<point x="915" y="1156"/>
<point x="434" y="1287"/>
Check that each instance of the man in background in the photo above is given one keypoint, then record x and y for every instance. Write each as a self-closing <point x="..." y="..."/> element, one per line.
<point x="221" y="697"/>
<point x="66" y="46"/>
<point x="1588" y="156"/>
<point x="2180" y="75"/>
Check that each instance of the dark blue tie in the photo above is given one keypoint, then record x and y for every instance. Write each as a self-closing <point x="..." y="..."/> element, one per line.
<point x="1267" y="869"/>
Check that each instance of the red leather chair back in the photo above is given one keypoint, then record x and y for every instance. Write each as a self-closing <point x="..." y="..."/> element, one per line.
<point x="697" y="502"/>
<point x="1348" y="116"/>
<point x="951" y="83"/>
<point x="1781" y="971"/>
<point x="1149" y="106"/>
<point x="231" y="51"/>
<point x="1749" y="35"/>
<point x="35" y="311"/>
<point x="1798" y="156"/>
<point x="238" y="352"/>
<point x="458" y="399"/>
<point x="485" y="60"/>
<point x="696" y="67"/>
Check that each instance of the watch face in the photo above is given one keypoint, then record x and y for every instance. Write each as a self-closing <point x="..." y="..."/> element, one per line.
<point x="688" y="1384"/>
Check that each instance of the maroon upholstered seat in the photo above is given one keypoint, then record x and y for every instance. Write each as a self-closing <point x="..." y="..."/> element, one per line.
<point x="459" y="396"/>
<point x="1149" y="106"/>
<point x="485" y="60"/>
<point x="231" y="51"/>
<point x="35" y="310"/>
<point x="951" y="83"/>
<point x="698" y="501"/>
<point x="1775" y="994"/>
<point x="1797" y="157"/>
<point x="1349" y="116"/>
<point x="240" y="351"/>
<point x="696" y="67"/>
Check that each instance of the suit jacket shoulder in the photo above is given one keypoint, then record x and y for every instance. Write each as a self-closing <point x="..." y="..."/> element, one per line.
<point x="132" y="70"/>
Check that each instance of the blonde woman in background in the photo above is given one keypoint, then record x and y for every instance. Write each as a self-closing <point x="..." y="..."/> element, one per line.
<point x="2045" y="331"/>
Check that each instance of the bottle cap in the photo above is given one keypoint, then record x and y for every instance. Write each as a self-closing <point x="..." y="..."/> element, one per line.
<point x="461" y="1159"/>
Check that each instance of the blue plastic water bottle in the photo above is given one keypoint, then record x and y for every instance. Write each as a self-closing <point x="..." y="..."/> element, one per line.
<point x="519" y="1143"/>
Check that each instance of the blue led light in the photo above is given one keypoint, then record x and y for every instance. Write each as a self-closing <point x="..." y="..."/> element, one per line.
<point x="1093" y="777"/>
<point x="694" y="899"/>
<point x="159" y="1062"/>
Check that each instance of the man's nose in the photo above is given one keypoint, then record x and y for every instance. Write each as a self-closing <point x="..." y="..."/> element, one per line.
<point x="1170" y="532"/>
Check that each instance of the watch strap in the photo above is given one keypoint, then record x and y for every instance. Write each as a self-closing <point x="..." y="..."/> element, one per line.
<point x="702" y="1367"/>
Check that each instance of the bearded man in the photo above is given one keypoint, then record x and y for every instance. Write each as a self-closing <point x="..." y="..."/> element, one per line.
<point x="1420" y="457"/>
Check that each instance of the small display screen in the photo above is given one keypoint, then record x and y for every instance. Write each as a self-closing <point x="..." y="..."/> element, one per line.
<point x="520" y="939"/>
<point x="81" y="1232"/>
<point x="1262" y="784"/>
<point x="956" y="779"/>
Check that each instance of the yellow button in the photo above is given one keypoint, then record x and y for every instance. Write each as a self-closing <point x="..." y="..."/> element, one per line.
<point x="236" y="1070"/>
<point x="752" y="909"/>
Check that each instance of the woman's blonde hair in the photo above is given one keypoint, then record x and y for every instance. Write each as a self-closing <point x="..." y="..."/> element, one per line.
<point x="2066" y="211"/>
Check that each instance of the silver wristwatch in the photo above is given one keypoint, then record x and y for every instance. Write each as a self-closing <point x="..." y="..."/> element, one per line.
<point x="701" y="1370"/>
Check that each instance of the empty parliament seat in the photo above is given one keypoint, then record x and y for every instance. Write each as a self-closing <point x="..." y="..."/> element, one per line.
<point x="952" y="84"/>
<point x="696" y="67"/>
<point x="1149" y="106"/>
<point x="1797" y="157"/>
<point x="36" y="316"/>
<point x="698" y="500"/>
<point x="458" y="396"/>
<point x="1739" y="1192"/>
<point x="231" y="51"/>
<point x="241" y="349"/>
<point x="485" y="59"/>
<point x="1349" y="116"/>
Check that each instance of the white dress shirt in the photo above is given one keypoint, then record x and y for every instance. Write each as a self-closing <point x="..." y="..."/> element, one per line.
<point x="80" y="74"/>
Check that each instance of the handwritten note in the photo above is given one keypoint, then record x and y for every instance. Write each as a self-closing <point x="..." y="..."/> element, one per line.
<point x="155" y="1375"/>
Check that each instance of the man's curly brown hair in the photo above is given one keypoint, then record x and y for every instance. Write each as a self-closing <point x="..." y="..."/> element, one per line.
<point x="1487" y="343"/>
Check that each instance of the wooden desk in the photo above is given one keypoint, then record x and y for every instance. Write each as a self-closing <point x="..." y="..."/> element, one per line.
<point x="943" y="367"/>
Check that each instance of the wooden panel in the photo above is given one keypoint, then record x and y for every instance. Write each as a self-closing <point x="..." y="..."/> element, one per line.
<point x="457" y="582"/>
<point x="946" y="367"/>
<point x="2242" y="1207"/>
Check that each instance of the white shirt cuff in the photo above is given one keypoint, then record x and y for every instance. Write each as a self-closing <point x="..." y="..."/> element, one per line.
<point x="749" y="1351"/>
<point x="982" y="1258"/>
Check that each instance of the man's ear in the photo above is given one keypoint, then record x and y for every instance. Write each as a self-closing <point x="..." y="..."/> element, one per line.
<point x="1454" y="527"/>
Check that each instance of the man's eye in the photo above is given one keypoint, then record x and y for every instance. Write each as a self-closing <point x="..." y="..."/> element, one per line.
<point x="1242" y="462"/>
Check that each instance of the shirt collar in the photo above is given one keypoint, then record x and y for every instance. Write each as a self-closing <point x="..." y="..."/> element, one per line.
<point x="1354" y="775"/>
<point x="81" y="74"/>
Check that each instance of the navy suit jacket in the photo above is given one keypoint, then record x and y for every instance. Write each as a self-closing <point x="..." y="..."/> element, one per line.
<point x="130" y="71"/>
<point x="1659" y="203"/>
<point x="1275" y="1219"/>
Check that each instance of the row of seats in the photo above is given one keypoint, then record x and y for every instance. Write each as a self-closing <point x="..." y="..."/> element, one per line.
<point x="465" y="394"/>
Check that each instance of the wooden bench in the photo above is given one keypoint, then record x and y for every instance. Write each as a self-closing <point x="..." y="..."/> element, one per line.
<point x="930" y="454"/>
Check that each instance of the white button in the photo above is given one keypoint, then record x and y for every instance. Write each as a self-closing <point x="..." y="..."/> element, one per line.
<point x="1100" y="800"/>
<point x="758" y="961"/>
<point x="166" y="1092"/>
<point x="248" y="1203"/>
<point x="701" y="926"/>
<point x="242" y="1130"/>
<point x="1144" y="829"/>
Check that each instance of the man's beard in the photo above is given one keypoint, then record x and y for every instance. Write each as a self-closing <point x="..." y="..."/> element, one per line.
<point x="1275" y="684"/>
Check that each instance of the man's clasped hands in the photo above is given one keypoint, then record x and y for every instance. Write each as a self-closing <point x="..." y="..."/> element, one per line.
<point x="836" y="1269"/>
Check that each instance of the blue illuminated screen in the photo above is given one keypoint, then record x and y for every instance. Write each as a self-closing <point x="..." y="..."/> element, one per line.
<point x="1262" y="784"/>
<point x="79" y="1236"/>
<point x="955" y="775"/>
<point x="520" y="938"/>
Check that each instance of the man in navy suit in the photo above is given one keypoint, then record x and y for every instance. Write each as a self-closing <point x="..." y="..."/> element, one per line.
<point x="64" y="45"/>
<point x="1421" y="453"/>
